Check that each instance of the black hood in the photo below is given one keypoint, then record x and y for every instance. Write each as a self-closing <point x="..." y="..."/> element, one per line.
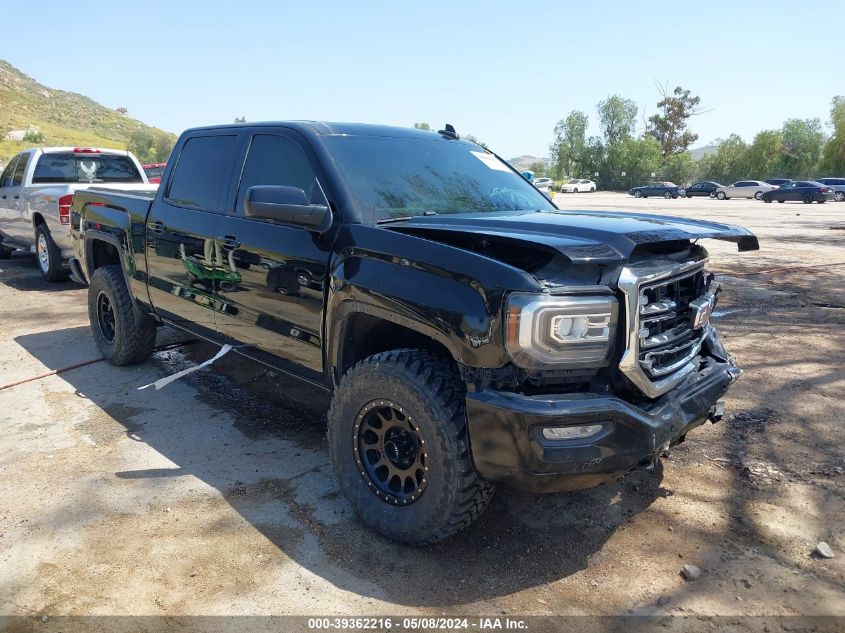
<point x="597" y="237"/>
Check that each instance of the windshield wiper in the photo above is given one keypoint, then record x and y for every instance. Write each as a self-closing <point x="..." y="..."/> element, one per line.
<point x="404" y="218"/>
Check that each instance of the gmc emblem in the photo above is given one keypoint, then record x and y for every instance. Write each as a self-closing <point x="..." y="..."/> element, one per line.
<point x="701" y="310"/>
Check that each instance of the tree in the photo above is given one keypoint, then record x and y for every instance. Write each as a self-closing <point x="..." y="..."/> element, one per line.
<point x="150" y="145"/>
<point x="803" y="140"/>
<point x="765" y="155"/>
<point x="567" y="147"/>
<point x="592" y="158"/>
<point x="474" y="139"/>
<point x="669" y="125"/>
<point x="422" y="126"/>
<point x="729" y="163"/>
<point x="678" y="167"/>
<point x="617" y="119"/>
<point x="640" y="157"/>
<point x="538" y="168"/>
<point x="833" y="155"/>
<point x="240" y="119"/>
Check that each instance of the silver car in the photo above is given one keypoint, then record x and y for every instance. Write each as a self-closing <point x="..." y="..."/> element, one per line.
<point x="838" y="186"/>
<point x="744" y="189"/>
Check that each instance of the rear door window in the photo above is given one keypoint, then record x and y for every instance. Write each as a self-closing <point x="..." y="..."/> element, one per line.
<point x="67" y="167"/>
<point x="203" y="170"/>
<point x="17" y="179"/>
<point x="6" y="177"/>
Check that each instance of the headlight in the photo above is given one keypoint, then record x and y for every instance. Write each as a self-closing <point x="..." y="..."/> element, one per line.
<point x="571" y="332"/>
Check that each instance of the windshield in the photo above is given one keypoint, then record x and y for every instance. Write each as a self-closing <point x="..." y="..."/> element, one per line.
<point x="68" y="167"/>
<point x="394" y="177"/>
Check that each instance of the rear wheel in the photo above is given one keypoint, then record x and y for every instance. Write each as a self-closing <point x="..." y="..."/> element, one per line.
<point x="399" y="445"/>
<point x="667" y="195"/>
<point x="781" y="201"/>
<point x="592" y="189"/>
<point x="49" y="255"/>
<point x="721" y="195"/>
<point x="758" y="195"/>
<point x="123" y="335"/>
<point x="638" y="194"/>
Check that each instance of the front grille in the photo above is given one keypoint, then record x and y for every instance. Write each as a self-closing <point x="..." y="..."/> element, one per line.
<point x="666" y="336"/>
<point x="662" y="300"/>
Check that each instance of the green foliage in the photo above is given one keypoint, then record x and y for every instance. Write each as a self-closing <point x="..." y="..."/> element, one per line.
<point x="422" y="126"/>
<point x="765" y="155"/>
<point x="669" y="126"/>
<point x="729" y="163"/>
<point x="803" y="140"/>
<point x="617" y="119"/>
<point x="678" y="167"/>
<point x="639" y="158"/>
<point x="833" y="154"/>
<point x="539" y="168"/>
<point x="64" y="118"/>
<point x="474" y="139"/>
<point x="150" y="145"/>
<point x="34" y="136"/>
<point x="240" y="119"/>
<point x="567" y="148"/>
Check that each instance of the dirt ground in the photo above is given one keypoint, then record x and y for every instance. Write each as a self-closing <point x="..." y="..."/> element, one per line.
<point x="215" y="496"/>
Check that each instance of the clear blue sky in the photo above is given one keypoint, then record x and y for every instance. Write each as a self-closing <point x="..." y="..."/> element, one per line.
<point x="505" y="72"/>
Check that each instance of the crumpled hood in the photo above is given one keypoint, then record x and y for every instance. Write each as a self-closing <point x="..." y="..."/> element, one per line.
<point x="598" y="237"/>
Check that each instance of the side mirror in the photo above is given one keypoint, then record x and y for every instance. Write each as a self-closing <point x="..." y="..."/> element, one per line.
<point x="286" y="205"/>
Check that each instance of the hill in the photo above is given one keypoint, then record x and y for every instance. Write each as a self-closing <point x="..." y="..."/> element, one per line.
<point x="524" y="162"/>
<point x="63" y="118"/>
<point x="700" y="152"/>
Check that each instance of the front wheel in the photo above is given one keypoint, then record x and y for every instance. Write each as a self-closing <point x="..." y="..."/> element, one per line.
<point x="767" y="199"/>
<point x="398" y="441"/>
<point x="667" y="195"/>
<point x="49" y="255"/>
<point x="781" y="201"/>
<point x="807" y="199"/>
<point x="839" y="196"/>
<point x="638" y="194"/>
<point x="123" y="335"/>
<point x="721" y="195"/>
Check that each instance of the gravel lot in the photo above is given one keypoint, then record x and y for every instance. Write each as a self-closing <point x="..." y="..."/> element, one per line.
<point x="215" y="495"/>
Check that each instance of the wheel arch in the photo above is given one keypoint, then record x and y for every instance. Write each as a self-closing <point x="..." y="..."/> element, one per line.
<point x="362" y="330"/>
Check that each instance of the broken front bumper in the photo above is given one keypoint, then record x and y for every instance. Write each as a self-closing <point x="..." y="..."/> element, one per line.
<point x="506" y="430"/>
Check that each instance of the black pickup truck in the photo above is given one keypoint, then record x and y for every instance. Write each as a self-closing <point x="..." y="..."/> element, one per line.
<point x="472" y="332"/>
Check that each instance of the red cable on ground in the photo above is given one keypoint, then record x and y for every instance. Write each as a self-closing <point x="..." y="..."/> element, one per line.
<point x="53" y="372"/>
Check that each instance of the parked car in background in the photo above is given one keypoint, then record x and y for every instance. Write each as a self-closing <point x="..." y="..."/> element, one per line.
<point x="744" y="189"/>
<point x="542" y="183"/>
<point x="664" y="189"/>
<point x="703" y="188"/>
<point x="805" y="191"/>
<point x="577" y="185"/>
<point x="36" y="193"/>
<point x="778" y="182"/>
<point x="154" y="172"/>
<point x="838" y="186"/>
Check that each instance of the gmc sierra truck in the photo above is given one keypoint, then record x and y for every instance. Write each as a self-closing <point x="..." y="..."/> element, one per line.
<point x="36" y="191"/>
<point x="472" y="332"/>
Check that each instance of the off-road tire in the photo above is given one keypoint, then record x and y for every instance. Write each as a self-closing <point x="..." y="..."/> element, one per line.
<point x="430" y="392"/>
<point x="52" y="269"/>
<point x="134" y="333"/>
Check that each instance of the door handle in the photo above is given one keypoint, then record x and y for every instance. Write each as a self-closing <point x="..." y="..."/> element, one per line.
<point x="229" y="241"/>
<point x="156" y="227"/>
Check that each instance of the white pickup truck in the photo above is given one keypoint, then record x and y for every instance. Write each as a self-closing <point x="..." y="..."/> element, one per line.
<point x="36" y="194"/>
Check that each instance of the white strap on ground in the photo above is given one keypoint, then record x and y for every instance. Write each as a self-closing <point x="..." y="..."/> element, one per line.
<point x="163" y="382"/>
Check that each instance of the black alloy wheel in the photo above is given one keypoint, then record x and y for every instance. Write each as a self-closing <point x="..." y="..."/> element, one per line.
<point x="390" y="452"/>
<point x="105" y="317"/>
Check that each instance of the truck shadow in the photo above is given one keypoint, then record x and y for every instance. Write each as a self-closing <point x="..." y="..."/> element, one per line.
<point x="258" y="439"/>
<point x="20" y="272"/>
